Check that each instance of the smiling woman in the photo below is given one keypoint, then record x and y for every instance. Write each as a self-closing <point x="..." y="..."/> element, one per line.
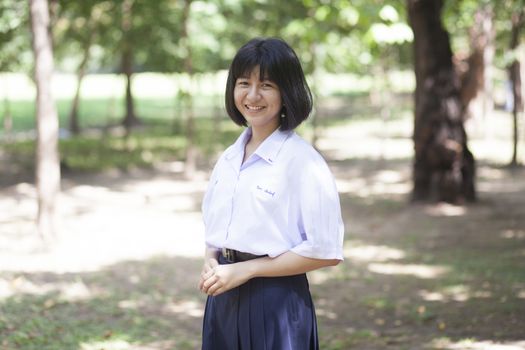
<point x="271" y="211"/>
<point x="259" y="101"/>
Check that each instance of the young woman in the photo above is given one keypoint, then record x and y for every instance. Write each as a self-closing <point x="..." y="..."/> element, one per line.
<point x="271" y="211"/>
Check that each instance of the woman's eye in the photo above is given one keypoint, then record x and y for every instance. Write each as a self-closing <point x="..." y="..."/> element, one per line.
<point x="242" y="83"/>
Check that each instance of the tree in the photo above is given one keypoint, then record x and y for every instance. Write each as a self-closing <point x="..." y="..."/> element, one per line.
<point x="190" y="164"/>
<point x="444" y="167"/>
<point x="130" y="119"/>
<point x="77" y="29"/>
<point x="518" y="20"/>
<point x="47" y="159"/>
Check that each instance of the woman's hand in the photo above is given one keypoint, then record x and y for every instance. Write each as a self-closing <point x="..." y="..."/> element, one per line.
<point x="209" y="264"/>
<point x="218" y="279"/>
<point x="222" y="278"/>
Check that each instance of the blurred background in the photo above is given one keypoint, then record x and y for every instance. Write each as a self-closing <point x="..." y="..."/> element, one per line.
<point x="113" y="115"/>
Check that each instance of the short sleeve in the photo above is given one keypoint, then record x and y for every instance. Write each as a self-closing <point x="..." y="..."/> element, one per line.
<point x="319" y="213"/>
<point x="209" y="190"/>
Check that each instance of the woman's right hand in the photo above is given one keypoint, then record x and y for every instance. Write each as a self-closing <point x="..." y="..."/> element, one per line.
<point x="210" y="261"/>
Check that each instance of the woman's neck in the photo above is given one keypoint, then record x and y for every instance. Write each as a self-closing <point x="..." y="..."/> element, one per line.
<point x="257" y="137"/>
<point x="259" y="134"/>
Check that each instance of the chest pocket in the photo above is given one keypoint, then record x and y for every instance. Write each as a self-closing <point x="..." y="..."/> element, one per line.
<point x="269" y="190"/>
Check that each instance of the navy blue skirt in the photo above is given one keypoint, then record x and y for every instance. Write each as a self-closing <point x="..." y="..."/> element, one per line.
<point x="265" y="313"/>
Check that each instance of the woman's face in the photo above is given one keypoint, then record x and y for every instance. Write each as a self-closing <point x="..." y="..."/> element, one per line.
<point x="259" y="101"/>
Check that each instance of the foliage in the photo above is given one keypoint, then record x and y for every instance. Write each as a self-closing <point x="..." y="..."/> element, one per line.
<point x="459" y="17"/>
<point x="347" y="35"/>
<point x="14" y="36"/>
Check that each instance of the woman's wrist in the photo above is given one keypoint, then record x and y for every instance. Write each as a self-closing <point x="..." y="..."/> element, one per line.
<point x="253" y="267"/>
<point x="212" y="253"/>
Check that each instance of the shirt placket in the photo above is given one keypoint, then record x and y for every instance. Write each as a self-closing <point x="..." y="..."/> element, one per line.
<point x="240" y="170"/>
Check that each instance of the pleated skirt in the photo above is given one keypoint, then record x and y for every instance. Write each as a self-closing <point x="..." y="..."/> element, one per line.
<point x="266" y="313"/>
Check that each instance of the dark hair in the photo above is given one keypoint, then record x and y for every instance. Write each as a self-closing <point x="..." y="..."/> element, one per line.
<point x="278" y="63"/>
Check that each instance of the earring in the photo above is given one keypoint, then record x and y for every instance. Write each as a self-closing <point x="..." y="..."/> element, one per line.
<point x="283" y="114"/>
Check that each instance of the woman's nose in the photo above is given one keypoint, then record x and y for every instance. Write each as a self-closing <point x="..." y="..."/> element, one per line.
<point x="253" y="92"/>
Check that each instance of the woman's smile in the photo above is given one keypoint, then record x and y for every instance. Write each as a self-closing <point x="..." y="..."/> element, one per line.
<point x="258" y="100"/>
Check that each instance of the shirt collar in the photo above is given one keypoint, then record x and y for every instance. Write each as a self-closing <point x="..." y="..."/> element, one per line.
<point x="267" y="150"/>
<point x="238" y="146"/>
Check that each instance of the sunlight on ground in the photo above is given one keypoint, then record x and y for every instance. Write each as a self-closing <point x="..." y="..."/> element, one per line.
<point x="107" y="345"/>
<point x="445" y="209"/>
<point x="320" y="276"/>
<point x="367" y="142"/>
<point x="67" y="291"/>
<point x="372" y="253"/>
<point x="513" y="234"/>
<point x="103" y="224"/>
<point x="421" y="271"/>
<point x="188" y="307"/>
<point x="455" y="293"/>
<point x="477" y="345"/>
<point x="320" y="312"/>
<point x="364" y="188"/>
<point x="322" y="307"/>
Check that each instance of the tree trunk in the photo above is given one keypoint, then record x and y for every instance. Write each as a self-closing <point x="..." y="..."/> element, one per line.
<point x="8" y="116"/>
<point x="47" y="159"/>
<point x="444" y="168"/>
<point x="191" y="151"/>
<point x="74" y="125"/>
<point x="476" y="81"/>
<point x="314" y="117"/>
<point x="517" y="20"/>
<point x="130" y="119"/>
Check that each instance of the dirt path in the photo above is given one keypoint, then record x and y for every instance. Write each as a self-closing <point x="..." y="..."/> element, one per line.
<point x="123" y="272"/>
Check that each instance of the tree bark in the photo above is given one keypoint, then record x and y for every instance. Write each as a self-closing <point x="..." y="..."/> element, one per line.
<point x="517" y="19"/>
<point x="314" y="117"/>
<point x="130" y="119"/>
<point x="476" y="81"/>
<point x="190" y="164"/>
<point x="8" y="116"/>
<point x="47" y="158"/>
<point x="444" y="168"/>
<point x="74" y="125"/>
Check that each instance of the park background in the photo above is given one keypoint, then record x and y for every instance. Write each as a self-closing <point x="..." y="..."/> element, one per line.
<point x="139" y="135"/>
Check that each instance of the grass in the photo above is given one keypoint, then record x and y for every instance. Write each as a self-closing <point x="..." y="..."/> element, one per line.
<point x="112" y="314"/>
<point x="128" y="304"/>
<point x="100" y="112"/>
<point x="142" y="149"/>
<point x="162" y="137"/>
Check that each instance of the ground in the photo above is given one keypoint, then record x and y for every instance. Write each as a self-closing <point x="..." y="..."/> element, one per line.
<point x="122" y="273"/>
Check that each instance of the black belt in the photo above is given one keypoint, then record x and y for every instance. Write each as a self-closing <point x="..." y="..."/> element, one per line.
<point x="234" y="256"/>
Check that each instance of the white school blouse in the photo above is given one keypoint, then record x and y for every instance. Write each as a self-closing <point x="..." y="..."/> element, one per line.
<point x="282" y="198"/>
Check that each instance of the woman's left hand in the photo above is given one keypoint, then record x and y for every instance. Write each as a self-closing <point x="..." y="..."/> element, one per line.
<point x="222" y="278"/>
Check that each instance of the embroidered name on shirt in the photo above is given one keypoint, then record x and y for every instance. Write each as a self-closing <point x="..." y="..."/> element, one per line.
<point x="267" y="191"/>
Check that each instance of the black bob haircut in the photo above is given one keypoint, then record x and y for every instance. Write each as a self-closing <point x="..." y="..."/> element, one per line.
<point x="278" y="63"/>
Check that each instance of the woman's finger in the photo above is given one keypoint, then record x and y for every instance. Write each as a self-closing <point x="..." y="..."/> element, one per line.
<point x="209" y="282"/>
<point x="214" y="289"/>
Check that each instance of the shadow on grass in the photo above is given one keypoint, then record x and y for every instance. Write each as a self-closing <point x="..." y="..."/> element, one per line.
<point x="412" y="274"/>
<point x="135" y="302"/>
<point x="415" y="274"/>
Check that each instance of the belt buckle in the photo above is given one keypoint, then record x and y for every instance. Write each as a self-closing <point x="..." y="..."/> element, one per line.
<point x="228" y="254"/>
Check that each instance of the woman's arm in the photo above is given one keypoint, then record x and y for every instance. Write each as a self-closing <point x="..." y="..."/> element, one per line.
<point x="222" y="278"/>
